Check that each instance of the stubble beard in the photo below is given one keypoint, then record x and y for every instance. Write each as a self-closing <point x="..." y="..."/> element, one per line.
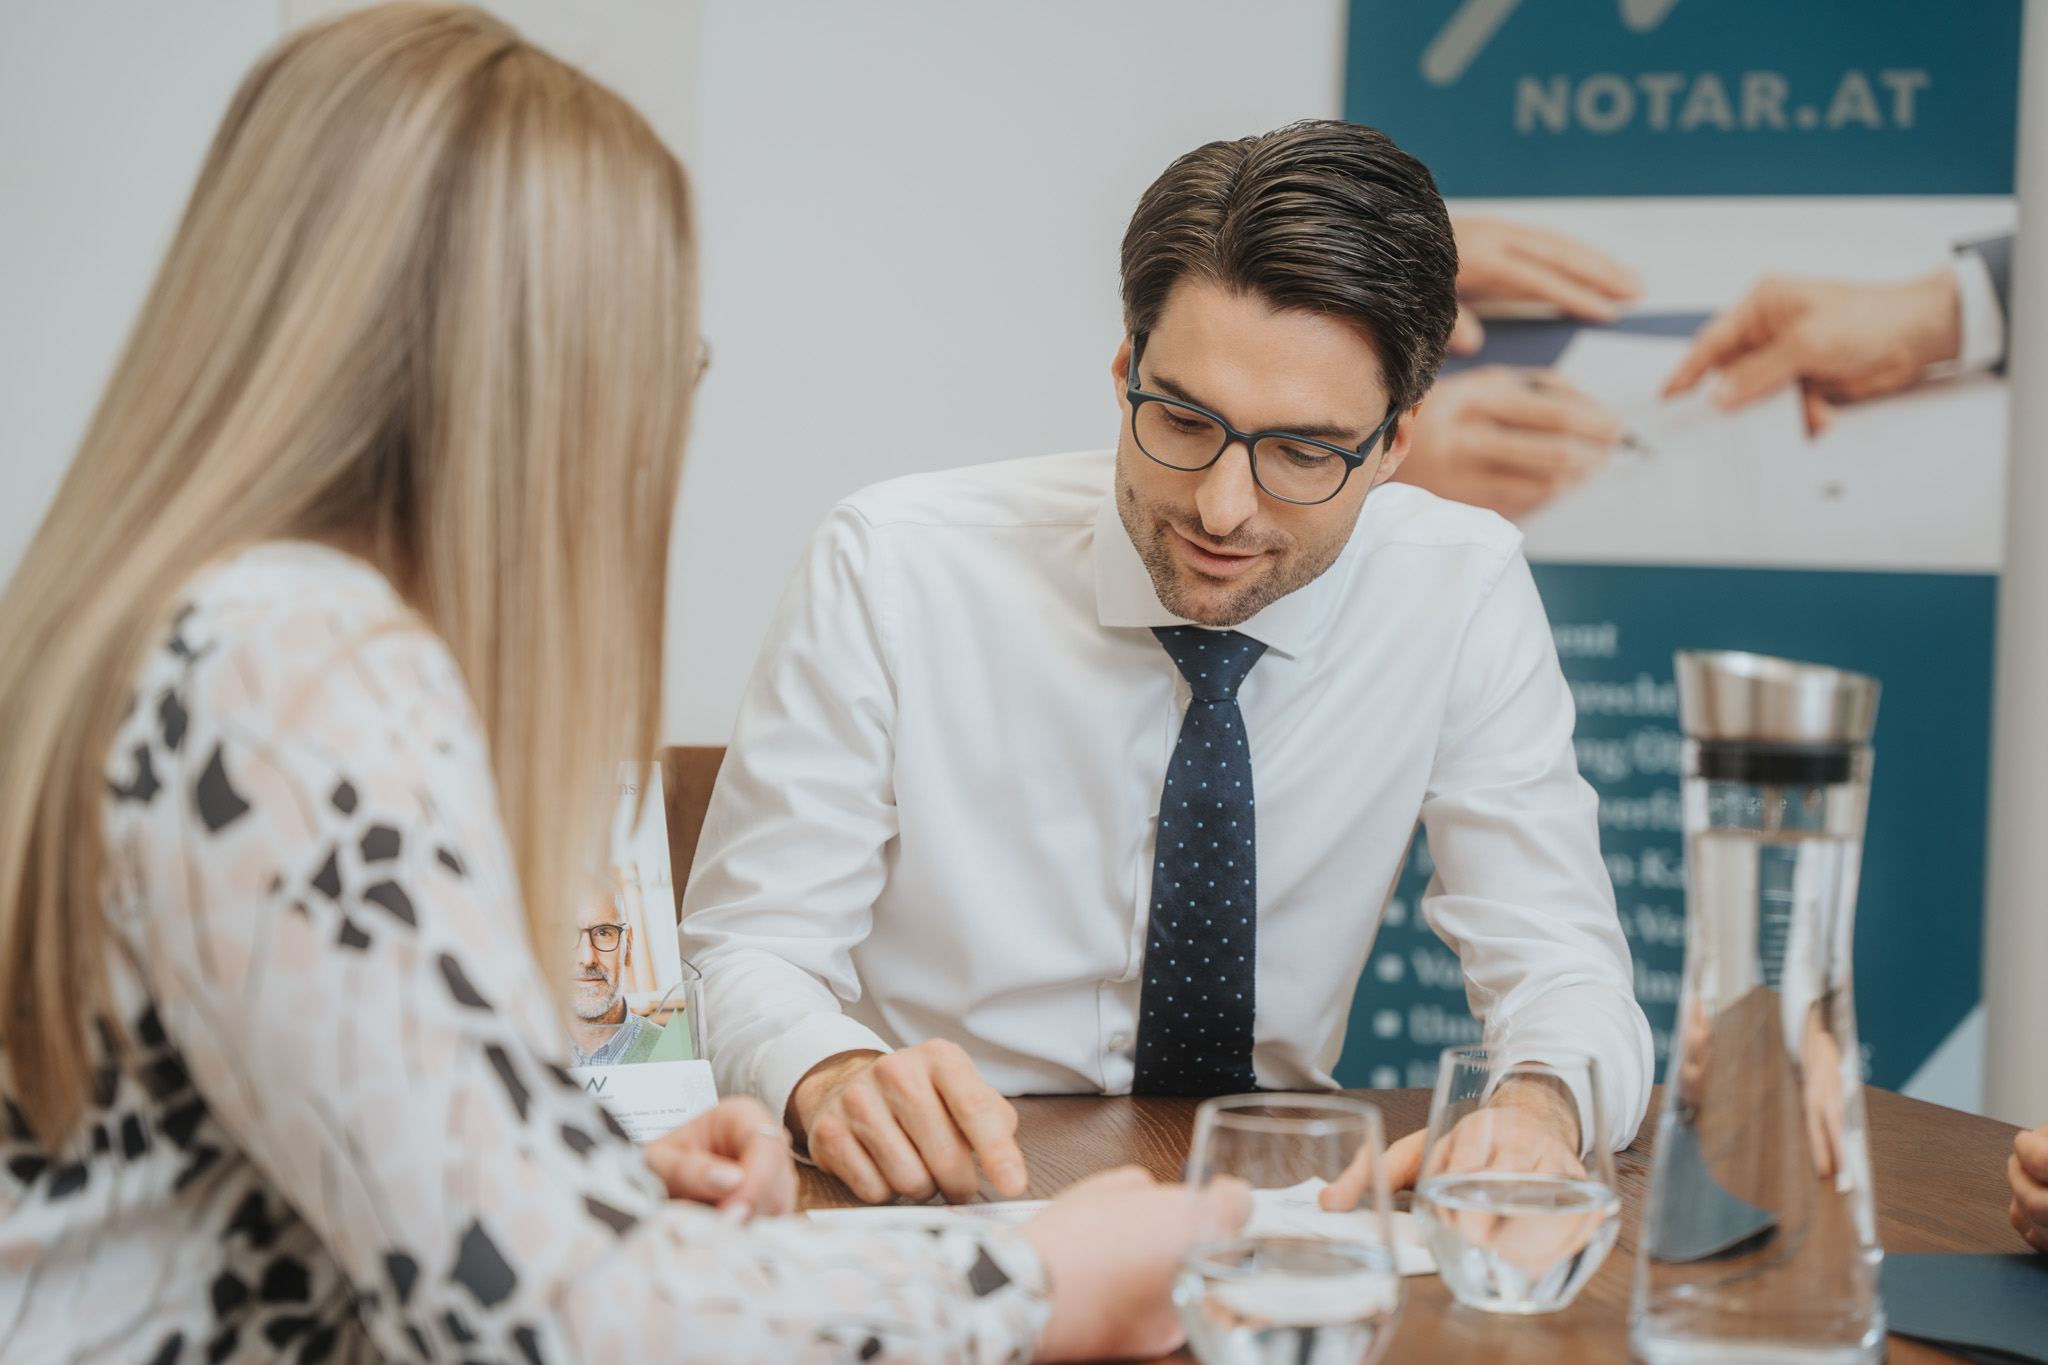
<point x="598" y="1013"/>
<point x="1152" y="527"/>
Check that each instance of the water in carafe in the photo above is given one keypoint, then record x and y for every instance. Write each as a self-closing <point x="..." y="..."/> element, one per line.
<point x="1760" y="1238"/>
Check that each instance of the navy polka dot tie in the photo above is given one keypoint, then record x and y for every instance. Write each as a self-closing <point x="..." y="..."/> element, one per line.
<point x="1195" y="1007"/>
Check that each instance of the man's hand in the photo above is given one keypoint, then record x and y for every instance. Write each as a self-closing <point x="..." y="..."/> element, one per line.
<point x="736" y="1157"/>
<point x="1506" y="439"/>
<point x="1112" y="1247"/>
<point x="909" y="1123"/>
<point x="1530" y="1124"/>
<point x="1507" y="262"/>
<point x="1839" y="342"/>
<point x="2027" y="1169"/>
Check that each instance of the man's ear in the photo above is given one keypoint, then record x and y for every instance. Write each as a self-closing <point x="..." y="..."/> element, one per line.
<point x="1120" y="368"/>
<point x="1397" y="447"/>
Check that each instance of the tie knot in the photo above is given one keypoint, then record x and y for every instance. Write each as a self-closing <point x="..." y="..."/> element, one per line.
<point x="1214" y="662"/>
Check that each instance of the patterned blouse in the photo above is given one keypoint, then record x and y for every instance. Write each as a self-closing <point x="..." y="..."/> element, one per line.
<point x="331" y="1124"/>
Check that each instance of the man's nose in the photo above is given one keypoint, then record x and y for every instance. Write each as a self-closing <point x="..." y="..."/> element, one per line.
<point x="586" y="953"/>
<point x="1228" y="496"/>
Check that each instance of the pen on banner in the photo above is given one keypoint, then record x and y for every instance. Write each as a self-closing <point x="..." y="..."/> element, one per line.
<point x="1628" y="440"/>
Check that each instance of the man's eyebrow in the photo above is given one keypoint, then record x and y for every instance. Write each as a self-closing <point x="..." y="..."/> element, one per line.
<point x="1334" y="432"/>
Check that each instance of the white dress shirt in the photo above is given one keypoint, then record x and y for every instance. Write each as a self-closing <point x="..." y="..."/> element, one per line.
<point x="937" y="813"/>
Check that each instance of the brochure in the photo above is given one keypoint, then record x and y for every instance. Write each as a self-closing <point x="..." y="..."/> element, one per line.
<point x="635" y="1022"/>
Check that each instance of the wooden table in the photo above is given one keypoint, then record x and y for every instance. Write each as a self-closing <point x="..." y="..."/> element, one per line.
<point x="1940" y="1179"/>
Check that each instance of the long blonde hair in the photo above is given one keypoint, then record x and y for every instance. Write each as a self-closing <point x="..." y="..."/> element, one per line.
<point x="434" y="298"/>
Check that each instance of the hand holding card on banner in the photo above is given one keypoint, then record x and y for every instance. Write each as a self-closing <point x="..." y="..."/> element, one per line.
<point x="1838" y="342"/>
<point x="1508" y="269"/>
<point x="1507" y="439"/>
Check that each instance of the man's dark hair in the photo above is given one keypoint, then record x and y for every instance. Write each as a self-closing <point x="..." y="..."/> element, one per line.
<point x="1325" y="216"/>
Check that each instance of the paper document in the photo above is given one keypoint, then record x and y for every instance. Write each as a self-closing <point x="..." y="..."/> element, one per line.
<point x="1292" y="1212"/>
<point x="1750" y="487"/>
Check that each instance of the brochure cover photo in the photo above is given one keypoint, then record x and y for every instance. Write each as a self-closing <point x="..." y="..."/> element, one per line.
<point x="634" y="1020"/>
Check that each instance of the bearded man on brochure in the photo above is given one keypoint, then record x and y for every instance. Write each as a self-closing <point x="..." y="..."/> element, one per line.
<point x="987" y="823"/>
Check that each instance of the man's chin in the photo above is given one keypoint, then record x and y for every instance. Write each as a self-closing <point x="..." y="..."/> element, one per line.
<point x="594" y="1011"/>
<point x="1216" y="602"/>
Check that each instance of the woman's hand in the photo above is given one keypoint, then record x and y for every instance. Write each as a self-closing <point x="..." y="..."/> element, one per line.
<point x="735" y="1158"/>
<point x="1112" y="1246"/>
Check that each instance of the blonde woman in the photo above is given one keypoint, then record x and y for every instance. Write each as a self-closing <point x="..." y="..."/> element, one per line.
<point x="351" y="594"/>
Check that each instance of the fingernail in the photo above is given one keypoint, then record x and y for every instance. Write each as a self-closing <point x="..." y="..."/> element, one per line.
<point x="738" y="1211"/>
<point x="1008" y="1175"/>
<point x="724" y="1177"/>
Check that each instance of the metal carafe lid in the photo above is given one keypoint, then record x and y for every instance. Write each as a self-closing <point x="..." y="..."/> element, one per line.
<point x="1725" y="694"/>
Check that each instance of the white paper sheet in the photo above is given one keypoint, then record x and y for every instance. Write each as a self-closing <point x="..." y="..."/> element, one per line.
<point x="1884" y="488"/>
<point x="1291" y="1212"/>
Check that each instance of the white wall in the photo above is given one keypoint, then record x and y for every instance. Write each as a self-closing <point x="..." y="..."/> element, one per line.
<point x="106" y="109"/>
<point x="910" y="214"/>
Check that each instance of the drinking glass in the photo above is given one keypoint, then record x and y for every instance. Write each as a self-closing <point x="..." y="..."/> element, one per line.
<point x="1298" y="1285"/>
<point x="1517" y="1197"/>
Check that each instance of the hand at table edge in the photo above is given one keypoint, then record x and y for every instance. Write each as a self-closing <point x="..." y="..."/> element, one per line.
<point x="1544" y="1099"/>
<point x="911" y="1122"/>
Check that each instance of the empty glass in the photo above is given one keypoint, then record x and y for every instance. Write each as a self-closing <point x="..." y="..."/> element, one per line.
<point x="1517" y="1197"/>
<point x="1300" y="1285"/>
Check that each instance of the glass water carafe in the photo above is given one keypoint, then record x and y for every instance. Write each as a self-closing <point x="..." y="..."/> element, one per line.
<point x="1760" y="1237"/>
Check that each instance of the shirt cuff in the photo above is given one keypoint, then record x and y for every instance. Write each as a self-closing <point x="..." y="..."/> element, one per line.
<point x="1981" y="322"/>
<point x="809" y="1041"/>
<point x="1590" y="1019"/>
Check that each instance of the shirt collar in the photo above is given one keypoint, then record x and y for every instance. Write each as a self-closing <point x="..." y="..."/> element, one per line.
<point x="1124" y="595"/>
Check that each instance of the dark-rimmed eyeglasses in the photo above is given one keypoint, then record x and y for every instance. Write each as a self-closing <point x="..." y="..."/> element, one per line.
<point x="1297" y="469"/>
<point x="603" y="937"/>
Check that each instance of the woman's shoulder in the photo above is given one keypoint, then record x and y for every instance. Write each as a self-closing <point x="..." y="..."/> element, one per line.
<point x="275" y="637"/>
<point x="298" y="662"/>
<point x="289" y="593"/>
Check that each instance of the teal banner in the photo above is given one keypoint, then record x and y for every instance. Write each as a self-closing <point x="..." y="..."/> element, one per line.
<point x="1919" y="914"/>
<point x="1693" y="97"/>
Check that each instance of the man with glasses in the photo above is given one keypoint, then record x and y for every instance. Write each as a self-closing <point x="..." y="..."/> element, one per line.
<point x="602" y="1031"/>
<point x="1092" y="772"/>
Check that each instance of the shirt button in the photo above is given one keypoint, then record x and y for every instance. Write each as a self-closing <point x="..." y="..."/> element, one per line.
<point x="1119" y="1041"/>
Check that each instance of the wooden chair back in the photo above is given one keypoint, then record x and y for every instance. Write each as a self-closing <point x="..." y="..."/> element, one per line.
<point x="687" y="774"/>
